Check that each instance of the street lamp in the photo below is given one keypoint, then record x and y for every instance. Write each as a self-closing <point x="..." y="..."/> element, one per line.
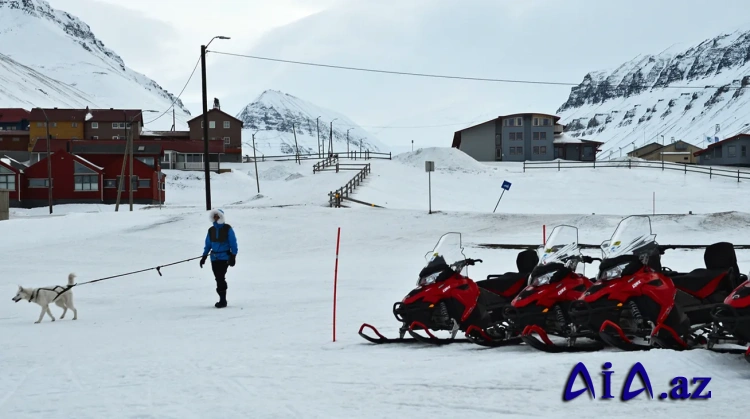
<point x="205" y="122"/>
<point x="255" y="162"/>
<point x="128" y="156"/>
<point x="347" y="141"/>
<point x="317" y="126"/>
<point x="330" y="139"/>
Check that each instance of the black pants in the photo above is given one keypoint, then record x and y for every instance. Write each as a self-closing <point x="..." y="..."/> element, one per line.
<point x="220" y="270"/>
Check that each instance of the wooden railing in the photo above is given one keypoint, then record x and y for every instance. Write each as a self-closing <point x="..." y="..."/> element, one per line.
<point x="738" y="174"/>
<point x="335" y="197"/>
<point x="352" y="155"/>
<point x="324" y="164"/>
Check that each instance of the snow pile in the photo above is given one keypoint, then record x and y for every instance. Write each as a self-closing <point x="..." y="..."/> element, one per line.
<point x="76" y="69"/>
<point x="447" y="159"/>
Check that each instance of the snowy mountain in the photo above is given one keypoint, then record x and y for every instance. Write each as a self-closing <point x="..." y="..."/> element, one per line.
<point x="684" y="94"/>
<point x="274" y="113"/>
<point x="50" y="58"/>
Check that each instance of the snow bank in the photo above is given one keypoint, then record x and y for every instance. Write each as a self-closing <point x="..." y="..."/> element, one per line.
<point x="447" y="159"/>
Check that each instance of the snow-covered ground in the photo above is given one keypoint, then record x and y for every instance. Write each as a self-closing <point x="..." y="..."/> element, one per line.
<point x="150" y="346"/>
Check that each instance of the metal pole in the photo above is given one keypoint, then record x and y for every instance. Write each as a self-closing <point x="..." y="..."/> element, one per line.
<point x="49" y="164"/>
<point x="347" y="141"/>
<point x="206" y="164"/>
<point x="130" y="178"/>
<point x="317" y="126"/>
<point x="255" y="162"/>
<point x="429" y="182"/>
<point x="122" y="177"/>
<point x="296" y="147"/>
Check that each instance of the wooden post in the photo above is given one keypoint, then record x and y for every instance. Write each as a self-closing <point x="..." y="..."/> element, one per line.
<point x="5" y="205"/>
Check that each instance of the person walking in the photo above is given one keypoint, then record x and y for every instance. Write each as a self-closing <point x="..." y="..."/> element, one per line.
<point x="221" y="242"/>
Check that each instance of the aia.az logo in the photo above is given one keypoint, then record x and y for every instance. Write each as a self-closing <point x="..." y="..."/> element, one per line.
<point x="680" y="389"/>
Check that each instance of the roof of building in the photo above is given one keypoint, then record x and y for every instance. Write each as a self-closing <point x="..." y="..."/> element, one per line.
<point x="166" y="134"/>
<point x="13" y="115"/>
<point x="57" y="115"/>
<point x="116" y="115"/>
<point x="555" y="117"/>
<point x="12" y="164"/>
<point x="567" y="139"/>
<point x="215" y="110"/>
<point x="645" y="146"/>
<point x="726" y="140"/>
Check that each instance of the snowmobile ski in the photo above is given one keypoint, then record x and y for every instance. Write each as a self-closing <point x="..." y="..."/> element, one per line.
<point x="546" y="345"/>
<point x="478" y="336"/>
<point x="432" y="339"/>
<point x="613" y="335"/>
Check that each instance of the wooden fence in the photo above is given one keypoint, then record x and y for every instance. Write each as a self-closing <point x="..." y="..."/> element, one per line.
<point x="711" y="171"/>
<point x="335" y="197"/>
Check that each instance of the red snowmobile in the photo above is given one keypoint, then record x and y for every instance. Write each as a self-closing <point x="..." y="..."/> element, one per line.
<point x="732" y="320"/>
<point x="542" y="307"/>
<point x="446" y="299"/>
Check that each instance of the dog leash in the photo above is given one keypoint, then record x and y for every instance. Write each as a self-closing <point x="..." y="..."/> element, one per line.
<point x="157" y="268"/>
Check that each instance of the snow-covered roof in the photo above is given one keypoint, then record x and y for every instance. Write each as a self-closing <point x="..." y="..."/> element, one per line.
<point x="675" y="152"/>
<point x="87" y="162"/>
<point x="14" y="163"/>
<point x="566" y="139"/>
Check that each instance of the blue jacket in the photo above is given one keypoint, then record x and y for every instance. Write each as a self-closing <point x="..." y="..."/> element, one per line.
<point x="220" y="247"/>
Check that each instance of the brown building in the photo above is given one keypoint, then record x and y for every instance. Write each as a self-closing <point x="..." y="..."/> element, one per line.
<point x="63" y="123"/>
<point x="113" y="124"/>
<point x="221" y="127"/>
<point x="676" y="152"/>
<point x="14" y="140"/>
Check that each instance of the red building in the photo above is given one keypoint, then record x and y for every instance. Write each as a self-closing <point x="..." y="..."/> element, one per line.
<point x="83" y="172"/>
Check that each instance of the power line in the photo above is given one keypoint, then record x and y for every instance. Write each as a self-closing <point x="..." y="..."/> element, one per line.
<point x="441" y="76"/>
<point x="178" y="96"/>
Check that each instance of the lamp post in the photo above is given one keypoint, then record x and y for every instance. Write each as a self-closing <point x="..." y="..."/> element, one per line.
<point x="330" y="139"/>
<point x="317" y="126"/>
<point x="206" y="163"/>
<point x="347" y="141"/>
<point x="255" y="162"/>
<point x="128" y="156"/>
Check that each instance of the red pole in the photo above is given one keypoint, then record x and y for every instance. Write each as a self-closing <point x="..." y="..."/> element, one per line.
<point x="544" y="234"/>
<point x="335" y="282"/>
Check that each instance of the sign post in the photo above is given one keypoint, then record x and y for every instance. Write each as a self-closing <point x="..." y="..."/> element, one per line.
<point x="506" y="187"/>
<point x="429" y="167"/>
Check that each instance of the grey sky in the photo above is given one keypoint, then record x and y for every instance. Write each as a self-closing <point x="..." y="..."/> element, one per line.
<point x="558" y="40"/>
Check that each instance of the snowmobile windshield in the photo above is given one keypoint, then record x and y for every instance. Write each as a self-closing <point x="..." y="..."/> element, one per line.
<point x="446" y="252"/>
<point x="632" y="234"/>
<point x="560" y="251"/>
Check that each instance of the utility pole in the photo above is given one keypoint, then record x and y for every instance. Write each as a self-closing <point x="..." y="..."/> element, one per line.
<point x="206" y="164"/>
<point x="129" y="133"/>
<point x="317" y="126"/>
<point x="128" y="156"/>
<point x="49" y="163"/>
<point x="330" y="139"/>
<point x="296" y="147"/>
<point x="255" y="162"/>
<point x="173" y="121"/>
<point x="347" y="141"/>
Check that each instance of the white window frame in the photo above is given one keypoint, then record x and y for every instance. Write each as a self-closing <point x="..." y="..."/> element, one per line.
<point x="226" y="124"/>
<point x="211" y="124"/>
<point x="536" y="122"/>
<point x="7" y="179"/>
<point x="227" y="140"/>
<point x="83" y="183"/>
<point x="94" y="125"/>
<point x="95" y="137"/>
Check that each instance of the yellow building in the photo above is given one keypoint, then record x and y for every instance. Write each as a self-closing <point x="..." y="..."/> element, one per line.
<point x="64" y="124"/>
<point x="676" y="152"/>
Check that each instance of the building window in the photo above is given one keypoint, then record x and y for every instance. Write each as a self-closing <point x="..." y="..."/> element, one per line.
<point x="86" y="183"/>
<point x="226" y="124"/>
<point x="147" y="160"/>
<point x="546" y="122"/>
<point x="536" y="122"/>
<point x="743" y="151"/>
<point x="536" y="149"/>
<point x="115" y="125"/>
<point x="498" y="152"/>
<point x="543" y="136"/>
<point x="211" y="124"/>
<point x="54" y="124"/>
<point x="519" y="150"/>
<point x="116" y="137"/>
<point x="226" y="141"/>
<point x="543" y="149"/>
<point x="38" y="183"/>
<point x="144" y="183"/>
<point x="679" y="146"/>
<point x="74" y="124"/>
<point x="95" y="137"/>
<point x="517" y="136"/>
<point x="39" y="124"/>
<point x="732" y="151"/>
<point x="94" y="125"/>
<point x="110" y="183"/>
<point x="519" y="122"/>
<point x="16" y="139"/>
<point x="133" y="183"/>
<point x="7" y="179"/>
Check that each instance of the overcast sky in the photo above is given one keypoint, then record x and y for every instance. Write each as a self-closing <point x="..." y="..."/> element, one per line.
<point x="556" y="40"/>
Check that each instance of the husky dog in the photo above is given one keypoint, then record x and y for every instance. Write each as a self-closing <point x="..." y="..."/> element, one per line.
<point x="45" y="296"/>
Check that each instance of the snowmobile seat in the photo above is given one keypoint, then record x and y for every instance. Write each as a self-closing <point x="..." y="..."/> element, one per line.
<point x="511" y="283"/>
<point x="720" y="274"/>
<point x="492" y="300"/>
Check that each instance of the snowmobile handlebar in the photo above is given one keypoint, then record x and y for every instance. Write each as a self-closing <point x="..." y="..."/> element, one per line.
<point x="470" y="262"/>
<point x="589" y="259"/>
